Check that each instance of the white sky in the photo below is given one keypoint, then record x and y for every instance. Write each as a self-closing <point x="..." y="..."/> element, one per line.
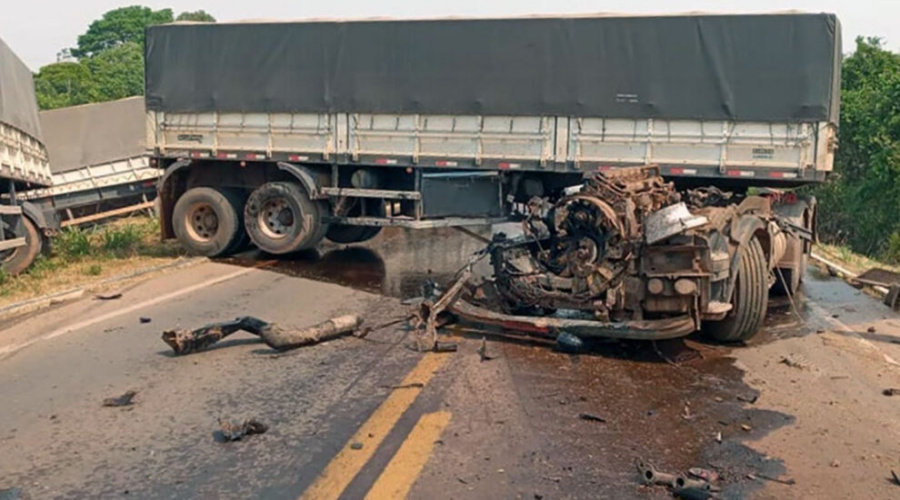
<point x="37" y="29"/>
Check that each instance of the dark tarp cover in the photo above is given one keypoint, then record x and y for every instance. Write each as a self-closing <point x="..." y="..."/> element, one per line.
<point x="93" y="134"/>
<point x="18" y="104"/>
<point x="769" y="67"/>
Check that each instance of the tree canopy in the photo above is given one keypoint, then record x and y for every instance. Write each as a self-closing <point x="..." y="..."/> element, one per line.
<point x="109" y="59"/>
<point x="861" y="203"/>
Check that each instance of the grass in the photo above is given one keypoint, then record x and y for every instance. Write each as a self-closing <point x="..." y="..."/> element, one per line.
<point x="850" y="260"/>
<point x="79" y="257"/>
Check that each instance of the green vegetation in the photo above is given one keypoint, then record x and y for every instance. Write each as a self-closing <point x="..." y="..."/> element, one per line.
<point x="78" y="256"/>
<point x="109" y="59"/>
<point x="861" y="204"/>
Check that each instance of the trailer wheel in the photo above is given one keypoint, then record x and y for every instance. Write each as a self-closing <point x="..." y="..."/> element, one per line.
<point x="280" y="218"/>
<point x="17" y="260"/>
<point x="750" y="299"/>
<point x="208" y="221"/>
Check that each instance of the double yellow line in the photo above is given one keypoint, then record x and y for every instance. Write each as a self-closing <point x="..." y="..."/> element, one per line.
<point x="400" y="474"/>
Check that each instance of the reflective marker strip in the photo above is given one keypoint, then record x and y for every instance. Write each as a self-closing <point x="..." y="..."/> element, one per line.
<point x="199" y="154"/>
<point x="443" y="163"/>
<point x="741" y="173"/>
<point x="683" y="171"/>
<point x="783" y="175"/>
<point x="604" y="168"/>
<point x="505" y="166"/>
<point x="254" y="156"/>
<point x="385" y="161"/>
<point x="298" y="158"/>
<point x="226" y="156"/>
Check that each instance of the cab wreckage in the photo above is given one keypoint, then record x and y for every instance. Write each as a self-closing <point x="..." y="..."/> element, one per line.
<point x="628" y="256"/>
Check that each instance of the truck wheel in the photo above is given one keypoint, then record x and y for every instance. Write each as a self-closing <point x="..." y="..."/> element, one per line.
<point x="17" y="260"/>
<point x="341" y="233"/>
<point x="208" y="221"/>
<point x="750" y="299"/>
<point x="280" y="218"/>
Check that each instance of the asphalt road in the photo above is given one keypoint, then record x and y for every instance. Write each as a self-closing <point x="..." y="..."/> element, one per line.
<point x="372" y="418"/>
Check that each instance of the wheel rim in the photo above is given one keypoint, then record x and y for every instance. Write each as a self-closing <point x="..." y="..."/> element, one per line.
<point x="202" y="222"/>
<point x="276" y="219"/>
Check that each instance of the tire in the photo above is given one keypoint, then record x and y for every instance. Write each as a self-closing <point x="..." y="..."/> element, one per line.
<point x="238" y="199"/>
<point x="750" y="299"/>
<point x="344" y="234"/>
<point x="17" y="260"/>
<point x="207" y="220"/>
<point x="280" y="218"/>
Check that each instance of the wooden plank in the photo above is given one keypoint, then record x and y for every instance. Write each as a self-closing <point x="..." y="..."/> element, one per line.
<point x="106" y="215"/>
<point x="14" y="243"/>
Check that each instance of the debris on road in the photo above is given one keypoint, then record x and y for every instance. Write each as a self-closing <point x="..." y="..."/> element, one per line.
<point x="693" y="494"/>
<point x="440" y="346"/>
<point x="758" y="476"/>
<point x="356" y="446"/>
<point x="281" y="339"/>
<point x="482" y="351"/>
<point x="746" y="428"/>
<point x="651" y="476"/>
<point x="108" y="295"/>
<point x="895" y="478"/>
<point x="704" y="474"/>
<point x="891" y="392"/>
<point x="590" y="417"/>
<point x="795" y="361"/>
<point x="145" y="320"/>
<point x="749" y="400"/>
<point x="119" y="401"/>
<point x="235" y="431"/>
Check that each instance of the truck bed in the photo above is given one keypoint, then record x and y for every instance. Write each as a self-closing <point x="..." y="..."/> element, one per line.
<point x="766" y="153"/>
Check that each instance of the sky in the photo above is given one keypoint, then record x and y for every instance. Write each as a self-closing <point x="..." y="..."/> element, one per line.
<point x="38" y="29"/>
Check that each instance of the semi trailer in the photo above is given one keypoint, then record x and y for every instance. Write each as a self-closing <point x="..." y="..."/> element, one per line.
<point x="23" y="165"/>
<point x="282" y="134"/>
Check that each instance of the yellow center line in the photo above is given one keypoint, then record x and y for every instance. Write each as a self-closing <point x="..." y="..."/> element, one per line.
<point x="332" y="482"/>
<point x="399" y="476"/>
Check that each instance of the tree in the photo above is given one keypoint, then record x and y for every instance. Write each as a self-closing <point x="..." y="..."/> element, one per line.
<point x="117" y="27"/>
<point x="118" y="72"/>
<point x="198" y="16"/>
<point x="860" y="206"/>
<point x="64" y="84"/>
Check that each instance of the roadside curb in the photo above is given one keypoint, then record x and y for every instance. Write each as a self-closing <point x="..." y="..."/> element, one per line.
<point x="43" y="302"/>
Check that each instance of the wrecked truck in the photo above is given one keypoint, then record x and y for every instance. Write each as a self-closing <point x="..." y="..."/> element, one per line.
<point x="639" y="260"/>
<point x="282" y="134"/>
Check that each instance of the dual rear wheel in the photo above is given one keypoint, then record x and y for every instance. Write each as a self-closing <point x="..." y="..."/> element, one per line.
<point x="277" y="217"/>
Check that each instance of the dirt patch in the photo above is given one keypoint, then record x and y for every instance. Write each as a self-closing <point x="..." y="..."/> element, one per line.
<point x="81" y="257"/>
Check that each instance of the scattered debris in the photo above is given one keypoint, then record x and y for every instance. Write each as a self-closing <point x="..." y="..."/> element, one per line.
<point x="705" y="474"/>
<point x="440" y="346"/>
<point x="686" y="413"/>
<point x="119" y="401"/>
<point x="191" y="341"/>
<point x="871" y="329"/>
<point x="590" y="417"/>
<point x="719" y="437"/>
<point x="758" y="476"/>
<point x="234" y="431"/>
<point x="145" y="320"/>
<point x="693" y="494"/>
<point x="356" y="446"/>
<point x="651" y="476"/>
<point x="414" y="385"/>
<point x="482" y="351"/>
<point x="750" y="400"/>
<point x="891" y="392"/>
<point x="108" y="295"/>
<point x="795" y="361"/>
<point x="835" y="463"/>
<point x="895" y="478"/>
